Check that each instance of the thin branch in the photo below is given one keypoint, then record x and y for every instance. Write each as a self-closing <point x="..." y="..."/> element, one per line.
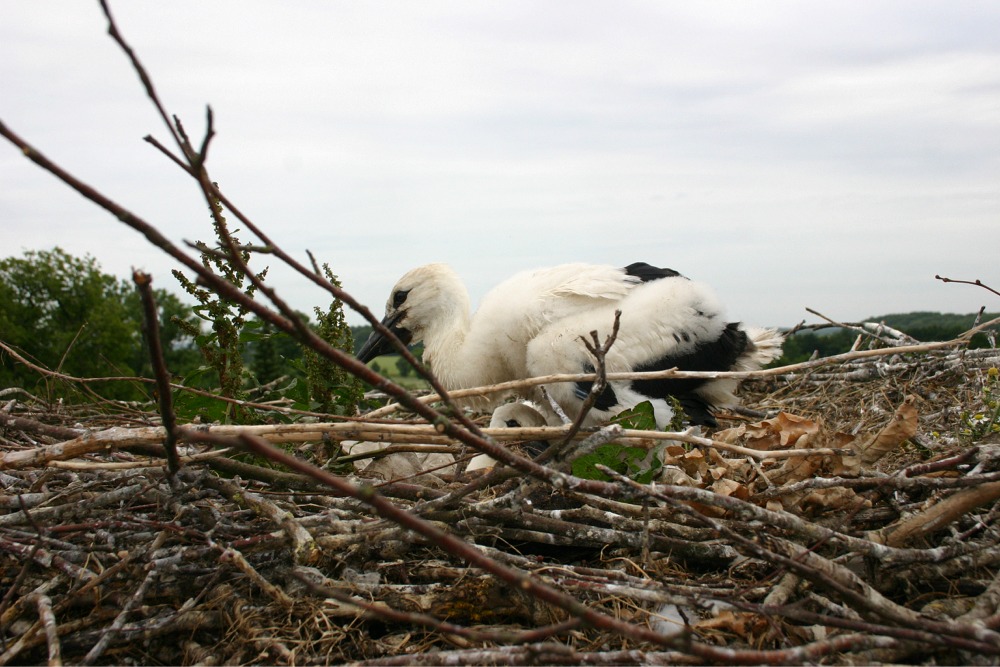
<point x="151" y="329"/>
<point x="976" y="282"/>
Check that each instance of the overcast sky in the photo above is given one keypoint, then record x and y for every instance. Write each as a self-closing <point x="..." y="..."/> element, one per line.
<point x="791" y="154"/>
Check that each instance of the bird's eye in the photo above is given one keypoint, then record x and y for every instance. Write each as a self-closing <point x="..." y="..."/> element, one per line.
<point x="513" y="423"/>
<point x="399" y="297"/>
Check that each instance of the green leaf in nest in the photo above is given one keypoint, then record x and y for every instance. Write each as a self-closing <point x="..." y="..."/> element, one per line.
<point x="635" y="463"/>
<point x="639" y="417"/>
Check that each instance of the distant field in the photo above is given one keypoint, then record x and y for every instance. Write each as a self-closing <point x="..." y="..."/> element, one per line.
<point x="388" y="366"/>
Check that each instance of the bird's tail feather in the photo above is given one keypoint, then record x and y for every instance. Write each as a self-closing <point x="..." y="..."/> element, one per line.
<point x="763" y="348"/>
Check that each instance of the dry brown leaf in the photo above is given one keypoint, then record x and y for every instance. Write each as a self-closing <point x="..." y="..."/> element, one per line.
<point x="718" y="472"/>
<point x="781" y="432"/>
<point x="796" y="469"/>
<point x="728" y="487"/>
<point x="844" y="466"/>
<point x="671" y="474"/>
<point x="902" y="427"/>
<point x="673" y="455"/>
<point x="774" y="505"/>
<point x="716" y="458"/>
<point x="822" y="500"/>
<point x="730" y="435"/>
<point x="694" y="463"/>
<point x="674" y="450"/>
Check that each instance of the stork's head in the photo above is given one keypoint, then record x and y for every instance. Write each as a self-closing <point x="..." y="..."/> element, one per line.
<point x="425" y="299"/>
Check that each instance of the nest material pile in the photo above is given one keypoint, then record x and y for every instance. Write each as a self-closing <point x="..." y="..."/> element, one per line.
<point x="855" y="523"/>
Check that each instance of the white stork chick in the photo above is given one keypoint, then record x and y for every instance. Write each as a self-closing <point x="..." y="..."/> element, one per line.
<point x="532" y="324"/>
<point x="431" y="304"/>
<point x="509" y="415"/>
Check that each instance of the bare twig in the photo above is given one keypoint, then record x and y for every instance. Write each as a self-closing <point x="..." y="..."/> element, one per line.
<point x="976" y="282"/>
<point x="48" y="619"/>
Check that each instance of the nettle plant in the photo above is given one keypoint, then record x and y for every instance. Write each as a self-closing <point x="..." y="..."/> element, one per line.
<point x="246" y="358"/>
<point x="331" y="388"/>
<point x="221" y="346"/>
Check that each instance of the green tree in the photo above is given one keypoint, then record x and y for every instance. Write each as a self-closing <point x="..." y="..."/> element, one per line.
<point x="804" y="344"/>
<point x="272" y="353"/>
<point x="179" y="350"/>
<point x="66" y="314"/>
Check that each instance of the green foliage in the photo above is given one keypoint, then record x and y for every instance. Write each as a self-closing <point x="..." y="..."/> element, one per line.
<point x="633" y="462"/>
<point x="331" y="388"/>
<point x="221" y="347"/>
<point x="637" y="463"/>
<point x="63" y="313"/>
<point x="802" y="346"/>
<point x="262" y="355"/>
<point x="271" y="354"/>
<point x="360" y="335"/>
<point x="66" y="314"/>
<point x="640" y="417"/>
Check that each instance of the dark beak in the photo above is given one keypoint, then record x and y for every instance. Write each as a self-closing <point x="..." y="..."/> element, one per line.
<point x="377" y="344"/>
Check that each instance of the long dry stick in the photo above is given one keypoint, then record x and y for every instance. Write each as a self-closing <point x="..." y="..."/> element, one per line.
<point x="86" y="441"/>
<point x="151" y="329"/>
<point x="827" y="573"/>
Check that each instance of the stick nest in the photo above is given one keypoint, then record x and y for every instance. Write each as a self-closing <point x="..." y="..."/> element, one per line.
<point x="882" y="547"/>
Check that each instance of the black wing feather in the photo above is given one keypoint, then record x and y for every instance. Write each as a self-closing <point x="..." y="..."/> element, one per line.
<point x="648" y="273"/>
